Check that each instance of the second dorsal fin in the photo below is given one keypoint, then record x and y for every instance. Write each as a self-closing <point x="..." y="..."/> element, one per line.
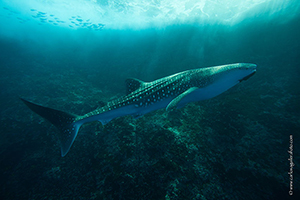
<point x="133" y="84"/>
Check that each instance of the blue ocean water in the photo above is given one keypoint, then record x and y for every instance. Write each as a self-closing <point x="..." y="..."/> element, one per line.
<point x="76" y="55"/>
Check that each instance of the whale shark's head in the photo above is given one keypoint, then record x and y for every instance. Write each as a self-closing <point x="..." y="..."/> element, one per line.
<point x="247" y="69"/>
<point x="233" y="73"/>
<point x="213" y="81"/>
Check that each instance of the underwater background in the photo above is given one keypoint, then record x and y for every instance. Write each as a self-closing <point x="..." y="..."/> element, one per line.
<point x="76" y="55"/>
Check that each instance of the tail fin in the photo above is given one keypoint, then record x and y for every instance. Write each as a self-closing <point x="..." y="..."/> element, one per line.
<point x="65" y="122"/>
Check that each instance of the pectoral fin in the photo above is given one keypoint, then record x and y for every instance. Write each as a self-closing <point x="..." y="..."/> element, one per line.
<point x="175" y="101"/>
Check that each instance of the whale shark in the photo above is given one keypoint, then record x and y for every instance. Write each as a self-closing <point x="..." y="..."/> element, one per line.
<point x="170" y="92"/>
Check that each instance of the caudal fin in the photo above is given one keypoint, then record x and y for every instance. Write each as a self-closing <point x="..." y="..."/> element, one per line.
<point x="65" y="122"/>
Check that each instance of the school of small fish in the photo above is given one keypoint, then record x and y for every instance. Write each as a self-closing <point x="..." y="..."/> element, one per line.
<point x="46" y="18"/>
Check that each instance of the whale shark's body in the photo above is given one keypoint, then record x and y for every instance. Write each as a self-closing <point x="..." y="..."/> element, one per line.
<point x="143" y="97"/>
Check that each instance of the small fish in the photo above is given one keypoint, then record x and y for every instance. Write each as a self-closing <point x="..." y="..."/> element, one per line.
<point x="32" y="10"/>
<point x="42" y="13"/>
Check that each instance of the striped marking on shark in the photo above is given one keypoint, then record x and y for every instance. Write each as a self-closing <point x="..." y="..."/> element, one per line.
<point x="144" y="97"/>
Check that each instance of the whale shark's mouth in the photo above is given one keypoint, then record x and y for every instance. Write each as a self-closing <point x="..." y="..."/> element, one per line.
<point x="248" y="76"/>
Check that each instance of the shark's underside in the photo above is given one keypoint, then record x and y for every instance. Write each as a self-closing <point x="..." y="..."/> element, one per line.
<point x="143" y="97"/>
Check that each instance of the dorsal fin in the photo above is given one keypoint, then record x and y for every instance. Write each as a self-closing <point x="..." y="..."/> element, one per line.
<point x="133" y="84"/>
